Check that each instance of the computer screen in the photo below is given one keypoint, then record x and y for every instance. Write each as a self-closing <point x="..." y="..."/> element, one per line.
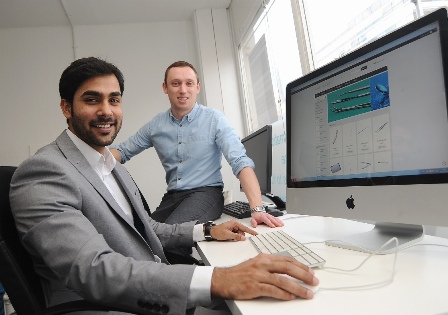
<point x="258" y="147"/>
<point x="367" y="135"/>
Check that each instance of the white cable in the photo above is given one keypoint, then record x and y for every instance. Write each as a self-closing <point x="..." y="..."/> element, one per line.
<point x="375" y="284"/>
<point x="389" y="280"/>
<point x="441" y="245"/>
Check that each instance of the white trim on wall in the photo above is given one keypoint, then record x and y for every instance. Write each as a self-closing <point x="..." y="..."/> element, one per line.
<point x="219" y="74"/>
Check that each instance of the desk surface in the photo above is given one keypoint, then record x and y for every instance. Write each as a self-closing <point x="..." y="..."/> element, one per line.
<point x="420" y="284"/>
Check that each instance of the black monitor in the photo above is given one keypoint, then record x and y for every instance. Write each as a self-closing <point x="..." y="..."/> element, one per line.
<point x="258" y="147"/>
<point x="367" y="136"/>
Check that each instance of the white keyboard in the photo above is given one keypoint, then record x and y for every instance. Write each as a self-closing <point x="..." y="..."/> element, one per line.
<point x="281" y="243"/>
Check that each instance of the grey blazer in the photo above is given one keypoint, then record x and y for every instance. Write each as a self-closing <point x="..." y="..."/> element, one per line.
<point x="82" y="243"/>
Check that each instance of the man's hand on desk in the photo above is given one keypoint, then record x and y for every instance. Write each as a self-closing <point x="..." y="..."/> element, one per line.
<point x="266" y="218"/>
<point x="230" y="230"/>
<point x="261" y="276"/>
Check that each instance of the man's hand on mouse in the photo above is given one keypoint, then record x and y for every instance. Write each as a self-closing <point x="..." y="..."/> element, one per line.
<point x="262" y="276"/>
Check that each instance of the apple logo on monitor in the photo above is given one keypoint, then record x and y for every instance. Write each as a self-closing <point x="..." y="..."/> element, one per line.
<point x="350" y="202"/>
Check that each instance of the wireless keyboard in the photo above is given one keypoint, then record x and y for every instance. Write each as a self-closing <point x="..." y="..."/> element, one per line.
<point x="279" y="242"/>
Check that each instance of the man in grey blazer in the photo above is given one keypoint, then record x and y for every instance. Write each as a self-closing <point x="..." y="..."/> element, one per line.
<point x="81" y="217"/>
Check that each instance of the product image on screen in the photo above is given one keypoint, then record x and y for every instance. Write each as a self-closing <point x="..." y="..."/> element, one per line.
<point x="357" y="98"/>
<point x="367" y="136"/>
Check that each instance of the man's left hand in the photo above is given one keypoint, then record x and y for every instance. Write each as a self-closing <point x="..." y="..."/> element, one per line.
<point x="266" y="218"/>
<point x="230" y="230"/>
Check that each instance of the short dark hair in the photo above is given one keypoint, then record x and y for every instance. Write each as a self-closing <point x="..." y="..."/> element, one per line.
<point x="180" y="64"/>
<point x="83" y="69"/>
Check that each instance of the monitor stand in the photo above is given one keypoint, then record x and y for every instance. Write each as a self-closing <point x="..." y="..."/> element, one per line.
<point x="371" y="241"/>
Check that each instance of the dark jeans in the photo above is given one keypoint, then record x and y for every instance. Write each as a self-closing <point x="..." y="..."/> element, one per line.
<point x="200" y="204"/>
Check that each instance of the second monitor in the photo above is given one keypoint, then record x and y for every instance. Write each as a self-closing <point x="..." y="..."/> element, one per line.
<point x="259" y="148"/>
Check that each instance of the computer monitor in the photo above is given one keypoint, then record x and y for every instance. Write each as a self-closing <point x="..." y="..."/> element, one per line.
<point x="258" y="147"/>
<point x="367" y="136"/>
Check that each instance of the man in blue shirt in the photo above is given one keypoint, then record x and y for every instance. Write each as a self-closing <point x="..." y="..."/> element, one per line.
<point x="190" y="140"/>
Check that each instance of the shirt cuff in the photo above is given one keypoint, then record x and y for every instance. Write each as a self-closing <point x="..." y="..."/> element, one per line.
<point x="198" y="233"/>
<point x="200" y="287"/>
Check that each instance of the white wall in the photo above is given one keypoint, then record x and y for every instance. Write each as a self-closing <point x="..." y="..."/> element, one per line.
<point x="32" y="60"/>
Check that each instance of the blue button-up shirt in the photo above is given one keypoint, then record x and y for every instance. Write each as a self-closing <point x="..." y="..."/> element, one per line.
<point x="191" y="149"/>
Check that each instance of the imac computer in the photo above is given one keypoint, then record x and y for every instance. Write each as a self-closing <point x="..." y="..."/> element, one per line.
<point x="258" y="147"/>
<point x="367" y="136"/>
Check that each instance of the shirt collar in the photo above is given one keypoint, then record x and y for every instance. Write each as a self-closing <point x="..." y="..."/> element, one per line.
<point x="101" y="164"/>
<point x="190" y="116"/>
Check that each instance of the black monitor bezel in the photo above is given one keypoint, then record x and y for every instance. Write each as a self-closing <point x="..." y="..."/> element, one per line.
<point x="440" y="16"/>
<point x="268" y="129"/>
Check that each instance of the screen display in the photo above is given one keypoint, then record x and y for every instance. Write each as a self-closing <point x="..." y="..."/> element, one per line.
<point x="367" y="136"/>
<point x="380" y="118"/>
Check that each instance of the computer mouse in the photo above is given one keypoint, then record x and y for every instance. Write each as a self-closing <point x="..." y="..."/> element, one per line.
<point x="313" y="288"/>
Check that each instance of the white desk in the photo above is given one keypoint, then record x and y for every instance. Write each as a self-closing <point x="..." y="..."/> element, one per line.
<point x="420" y="285"/>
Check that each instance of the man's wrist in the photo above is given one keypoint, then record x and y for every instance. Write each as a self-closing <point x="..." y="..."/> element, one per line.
<point x="207" y="230"/>
<point x="257" y="209"/>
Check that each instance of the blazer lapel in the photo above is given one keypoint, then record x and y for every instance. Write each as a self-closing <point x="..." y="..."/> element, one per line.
<point x="131" y="190"/>
<point x="77" y="159"/>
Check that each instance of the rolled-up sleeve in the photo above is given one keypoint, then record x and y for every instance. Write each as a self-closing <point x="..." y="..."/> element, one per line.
<point x="230" y="144"/>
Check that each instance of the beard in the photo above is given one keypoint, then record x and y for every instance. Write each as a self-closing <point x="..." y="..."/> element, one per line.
<point x="91" y="138"/>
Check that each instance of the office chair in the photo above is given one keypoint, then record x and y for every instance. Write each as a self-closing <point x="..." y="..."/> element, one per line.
<point x="17" y="272"/>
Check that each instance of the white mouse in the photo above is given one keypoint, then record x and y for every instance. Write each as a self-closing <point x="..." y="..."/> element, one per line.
<point x="313" y="288"/>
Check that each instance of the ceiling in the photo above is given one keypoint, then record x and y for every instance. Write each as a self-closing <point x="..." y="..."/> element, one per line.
<point x="37" y="13"/>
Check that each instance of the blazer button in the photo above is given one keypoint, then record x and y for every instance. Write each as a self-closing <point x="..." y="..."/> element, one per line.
<point x="164" y="309"/>
<point x="156" y="308"/>
<point x="146" y="305"/>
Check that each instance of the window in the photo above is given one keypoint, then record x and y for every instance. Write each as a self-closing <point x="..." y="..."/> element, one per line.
<point x="289" y="38"/>
<point x="269" y="59"/>
<point x="362" y="22"/>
